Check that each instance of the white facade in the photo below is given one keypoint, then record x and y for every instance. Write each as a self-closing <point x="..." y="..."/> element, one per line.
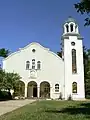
<point x="52" y="69"/>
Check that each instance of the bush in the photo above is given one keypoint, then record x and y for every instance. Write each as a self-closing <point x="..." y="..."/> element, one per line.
<point x="4" y="95"/>
<point x="69" y="97"/>
<point x="60" y="97"/>
<point x="87" y="96"/>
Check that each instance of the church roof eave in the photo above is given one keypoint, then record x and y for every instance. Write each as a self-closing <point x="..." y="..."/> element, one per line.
<point x="71" y="34"/>
<point x="20" y="49"/>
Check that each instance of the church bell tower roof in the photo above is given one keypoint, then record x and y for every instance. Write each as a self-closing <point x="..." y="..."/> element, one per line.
<point x="70" y="19"/>
<point x="70" y="27"/>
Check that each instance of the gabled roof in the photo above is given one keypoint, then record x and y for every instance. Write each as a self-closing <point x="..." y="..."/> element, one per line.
<point x="33" y="43"/>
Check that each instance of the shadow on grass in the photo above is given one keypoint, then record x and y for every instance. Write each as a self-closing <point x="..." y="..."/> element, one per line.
<point x="83" y="109"/>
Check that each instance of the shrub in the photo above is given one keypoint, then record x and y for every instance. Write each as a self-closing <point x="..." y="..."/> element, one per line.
<point x="87" y="96"/>
<point x="60" y="97"/>
<point x="4" y="95"/>
<point x="69" y="97"/>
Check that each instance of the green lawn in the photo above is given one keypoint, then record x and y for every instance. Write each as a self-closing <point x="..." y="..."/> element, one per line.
<point x="51" y="110"/>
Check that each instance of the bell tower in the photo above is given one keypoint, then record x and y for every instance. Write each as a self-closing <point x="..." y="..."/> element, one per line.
<point x="72" y="54"/>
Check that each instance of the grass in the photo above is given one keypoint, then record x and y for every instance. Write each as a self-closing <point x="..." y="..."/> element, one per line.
<point x="51" y="110"/>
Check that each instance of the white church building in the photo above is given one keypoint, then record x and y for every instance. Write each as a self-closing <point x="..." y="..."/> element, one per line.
<point x="44" y="73"/>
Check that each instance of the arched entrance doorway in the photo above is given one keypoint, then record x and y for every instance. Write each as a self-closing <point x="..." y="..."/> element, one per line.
<point x="20" y="89"/>
<point x="32" y="89"/>
<point x="45" y="90"/>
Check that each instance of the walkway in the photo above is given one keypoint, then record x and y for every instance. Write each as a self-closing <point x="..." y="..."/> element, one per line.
<point x="8" y="106"/>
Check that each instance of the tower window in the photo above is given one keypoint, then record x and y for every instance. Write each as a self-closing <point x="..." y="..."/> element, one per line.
<point x="71" y="27"/>
<point x="33" y="63"/>
<point x="67" y="28"/>
<point x="73" y="43"/>
<point x="74" y="67"/>
<point x="38" y="65"/>
<point x="56" y="87"/>
<point x="74" y="87"/>
<point x="27" y="65"/>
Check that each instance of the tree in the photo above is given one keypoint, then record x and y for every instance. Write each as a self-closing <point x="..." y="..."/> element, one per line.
<point x="2" y="76"/>
<point x="12" y="80"/>
<point x="19" y="89"/>
<point x="4" y="53"/>
<point x="8" y="81"/>
<point x="83" y="7"/>
<point x="86" y="55"/>
<point x="59" y="54"/>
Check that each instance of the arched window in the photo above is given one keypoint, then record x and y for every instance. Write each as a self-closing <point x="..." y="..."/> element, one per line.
<point x="38" y="65"/>
<point x="56" y="87"/>
<point x="33" y="63"/>
<point x="74" y="67"/>
<point x="74" y="87"/>
<point x="27" y="65"/>
<point x="71" y="27"/>
<point x="67" y="28"/>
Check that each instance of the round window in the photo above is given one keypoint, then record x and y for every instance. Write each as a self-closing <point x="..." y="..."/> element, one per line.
<point x="73" y="43"/>
<point x="33" y="50"/>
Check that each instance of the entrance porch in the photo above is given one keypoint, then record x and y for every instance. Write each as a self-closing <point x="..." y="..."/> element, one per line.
<point x="32" y="90"/>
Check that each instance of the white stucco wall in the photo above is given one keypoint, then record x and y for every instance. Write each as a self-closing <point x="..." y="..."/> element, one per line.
<point x="52" y="66"/>
<point x="79" y="76"/>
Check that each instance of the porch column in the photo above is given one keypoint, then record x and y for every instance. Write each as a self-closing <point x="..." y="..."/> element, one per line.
<point x="51" y="92"/>
<point x="69" y="28"/>
<point x="38" y="92"/>
<point x="25" y="90"/>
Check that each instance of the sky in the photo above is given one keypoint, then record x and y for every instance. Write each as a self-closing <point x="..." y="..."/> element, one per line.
<point x="26" y="21"/>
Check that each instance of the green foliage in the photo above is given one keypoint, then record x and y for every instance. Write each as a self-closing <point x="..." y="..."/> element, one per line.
<point x="59" y="54"/>
<point x="4" y="53"/>
<point x="4" y="95"/>
<point x="84" y="8"/>
<point x="19" y="89"/>
<point x="86" y="55"/>
<point x="8" y="80"/>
